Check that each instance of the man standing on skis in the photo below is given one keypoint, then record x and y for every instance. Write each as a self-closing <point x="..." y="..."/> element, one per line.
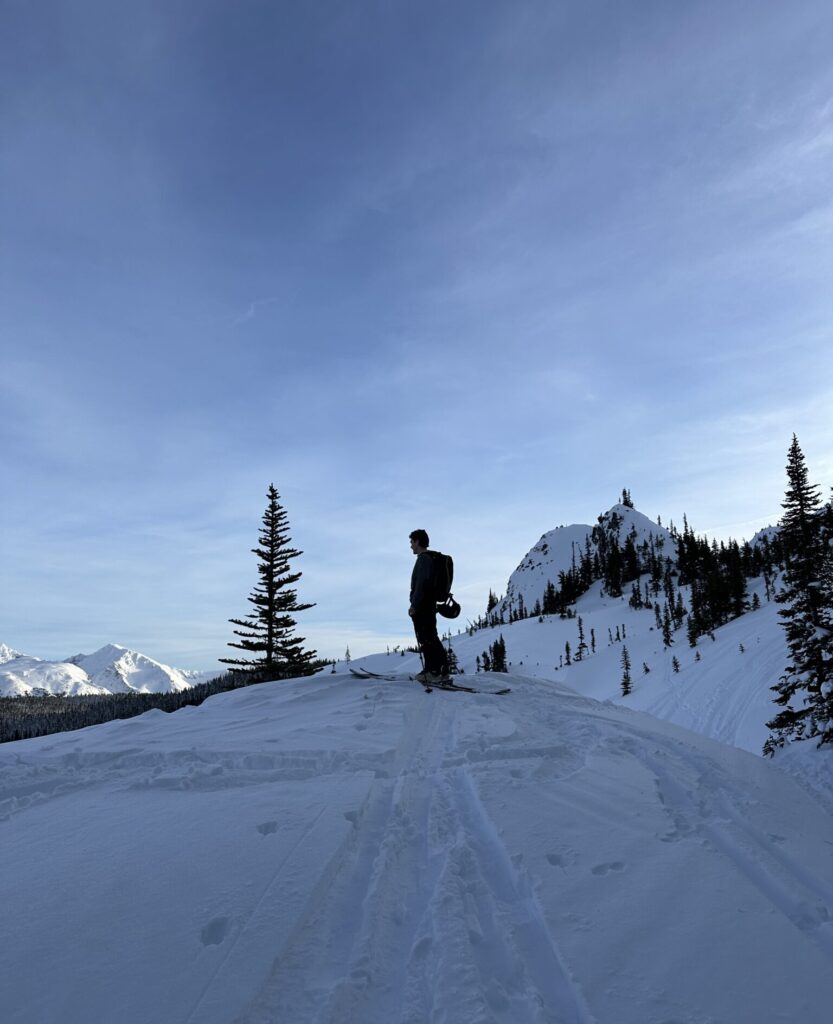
<point x="423" y="611"/>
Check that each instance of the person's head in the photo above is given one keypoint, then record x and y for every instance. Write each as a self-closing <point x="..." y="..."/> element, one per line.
<point x="419" y="541"/>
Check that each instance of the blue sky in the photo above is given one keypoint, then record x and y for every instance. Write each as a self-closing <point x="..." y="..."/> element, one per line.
<point x="473" y="267"/>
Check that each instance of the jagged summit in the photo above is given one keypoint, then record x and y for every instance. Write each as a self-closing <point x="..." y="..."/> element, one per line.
<point x="8" y="654"/>
<point x="111" y="669"/>
<point x="120" y="670"/>
<point x="561" y="550"/>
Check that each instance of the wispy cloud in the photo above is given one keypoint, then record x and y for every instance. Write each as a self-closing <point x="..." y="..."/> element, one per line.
<point x="252" y="309"/>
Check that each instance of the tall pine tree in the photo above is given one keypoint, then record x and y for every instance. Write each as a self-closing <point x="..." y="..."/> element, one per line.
<point x="805" y="690"/>
<point x="267" y="633"/>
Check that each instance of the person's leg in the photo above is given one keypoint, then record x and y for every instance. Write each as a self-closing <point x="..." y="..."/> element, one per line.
<point x="433" y="652"/>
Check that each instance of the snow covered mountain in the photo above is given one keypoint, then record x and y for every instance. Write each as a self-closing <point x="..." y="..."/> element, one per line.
<point x="112" y="669"/>
<point x="720" y="688"/>
<point x="359" y="852"/>
<point x="561" y="549"/>
<point x="7" y="654"/>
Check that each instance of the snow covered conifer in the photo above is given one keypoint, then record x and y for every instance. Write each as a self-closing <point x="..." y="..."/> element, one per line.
<point x="805" y="690"/>
<point x="267" y="632"/>
<point x="581" y="650"/>
<point x="626" y="672"/>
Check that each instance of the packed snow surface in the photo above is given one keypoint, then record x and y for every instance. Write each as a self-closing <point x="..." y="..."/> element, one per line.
<point x="339" y="850"/>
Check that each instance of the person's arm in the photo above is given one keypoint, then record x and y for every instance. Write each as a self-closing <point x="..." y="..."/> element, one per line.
<point x="421" y="581"/>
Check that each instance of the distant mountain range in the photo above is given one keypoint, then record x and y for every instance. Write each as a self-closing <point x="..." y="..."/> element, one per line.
<point x="112" y="669"/>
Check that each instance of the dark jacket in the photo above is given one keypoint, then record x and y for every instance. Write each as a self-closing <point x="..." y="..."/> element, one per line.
<point x="422" y="586"/>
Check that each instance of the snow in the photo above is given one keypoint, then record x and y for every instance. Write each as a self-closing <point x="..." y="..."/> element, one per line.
<point x="725" y="695"/>
<point x="118" y="669"/>
<point x="337" y="850"/>
<point x="559" y="549"/>
<point x="342" y="850"/>
<point x="7" y="654"/>
<point x="112" y="669"/>
<point x="22" y="676"/>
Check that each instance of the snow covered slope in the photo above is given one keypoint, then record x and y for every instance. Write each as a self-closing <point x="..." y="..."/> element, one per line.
<point x="724" y="695"/>
<point x="7" y="654"/>
<point x="118" y="670"/>
<point x="112" y="669"/>
<point x="560" y="549"/>
<point x="22" y="676"/>
<point x="353" y="852"/>
<point x="721" y="688"/>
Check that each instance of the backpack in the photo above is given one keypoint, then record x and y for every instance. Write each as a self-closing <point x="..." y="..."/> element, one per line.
<point x="442" y="575"/>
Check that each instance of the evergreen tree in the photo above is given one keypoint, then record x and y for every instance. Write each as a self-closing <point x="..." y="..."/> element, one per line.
<point x="581" y="650"/>
<point x="267" y="632"/>
<point x="805" y="690"/>
<point x="667" y="636"/>
<point x="675" y="664"/>
<point x="453" y="664"/>
<point x="498" y="652"/>
<point x="626" y="672"/>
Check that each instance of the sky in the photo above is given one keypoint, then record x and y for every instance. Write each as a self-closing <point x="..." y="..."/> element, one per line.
<point x="469" y="267"/>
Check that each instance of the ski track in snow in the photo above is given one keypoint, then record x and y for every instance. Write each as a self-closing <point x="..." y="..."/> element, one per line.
<point x="422" y="902"/>
<point x="435" y="926"/>
<point x="718" y="816"/>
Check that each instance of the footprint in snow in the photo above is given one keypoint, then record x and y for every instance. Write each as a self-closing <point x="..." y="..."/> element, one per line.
<point x="605" y="869"/>
<point x="215" y="931"/>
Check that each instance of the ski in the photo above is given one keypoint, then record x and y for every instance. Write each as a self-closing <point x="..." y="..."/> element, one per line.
<point x="366" y="674"/>
<point x="470" y="689"/>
